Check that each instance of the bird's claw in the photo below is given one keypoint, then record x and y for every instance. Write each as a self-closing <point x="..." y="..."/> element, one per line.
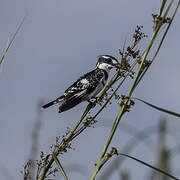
<point x="96" y="100"/>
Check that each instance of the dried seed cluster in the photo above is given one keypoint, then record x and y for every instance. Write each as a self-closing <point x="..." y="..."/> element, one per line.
<point x="121" y="101"/>
<point x="138" y="34"/>
<point x="157" y="18"/>
<point x="63" y="143"/>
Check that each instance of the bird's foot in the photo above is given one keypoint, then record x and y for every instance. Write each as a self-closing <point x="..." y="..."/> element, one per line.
<point x="90" y="101"/>
<point x="94" y="100"/>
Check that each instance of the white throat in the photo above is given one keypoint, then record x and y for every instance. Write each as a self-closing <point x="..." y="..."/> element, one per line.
<point x="104" y="66"/>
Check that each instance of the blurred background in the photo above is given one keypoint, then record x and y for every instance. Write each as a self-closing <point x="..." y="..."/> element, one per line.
<point x="58" y="42"/>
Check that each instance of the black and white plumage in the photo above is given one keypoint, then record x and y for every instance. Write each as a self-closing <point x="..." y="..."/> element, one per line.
<point x="87" y="86"/>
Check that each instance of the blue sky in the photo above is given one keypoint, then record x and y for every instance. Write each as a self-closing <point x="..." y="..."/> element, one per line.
<point x="59" y="42"/>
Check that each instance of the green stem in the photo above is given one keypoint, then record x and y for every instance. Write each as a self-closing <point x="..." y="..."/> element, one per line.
<point x="83" y="128"/>
<point x="122" y="108"/>
<point x="59" y="166"/>
<point x="69" y="138"/>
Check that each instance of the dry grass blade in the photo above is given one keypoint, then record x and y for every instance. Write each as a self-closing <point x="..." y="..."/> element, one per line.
<point x="9" y="43"/>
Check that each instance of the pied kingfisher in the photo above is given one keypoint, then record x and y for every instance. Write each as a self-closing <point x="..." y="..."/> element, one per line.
<point x="87" y="86"/>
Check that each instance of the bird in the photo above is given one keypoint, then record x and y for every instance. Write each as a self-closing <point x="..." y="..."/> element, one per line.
<point x="87" y="86"/>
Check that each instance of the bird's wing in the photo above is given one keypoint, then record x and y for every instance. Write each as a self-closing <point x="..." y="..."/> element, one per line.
<point x="81" y="89"/>
<point x="85" y="84"/>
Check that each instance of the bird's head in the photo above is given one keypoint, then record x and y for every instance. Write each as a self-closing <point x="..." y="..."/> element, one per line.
<point x="107" y="62"/>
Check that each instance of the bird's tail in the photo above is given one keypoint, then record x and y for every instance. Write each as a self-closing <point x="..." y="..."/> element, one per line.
<point x="58" y="100"/>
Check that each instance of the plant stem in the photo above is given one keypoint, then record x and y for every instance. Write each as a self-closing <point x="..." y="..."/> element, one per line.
<point x="123" y="107"/>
